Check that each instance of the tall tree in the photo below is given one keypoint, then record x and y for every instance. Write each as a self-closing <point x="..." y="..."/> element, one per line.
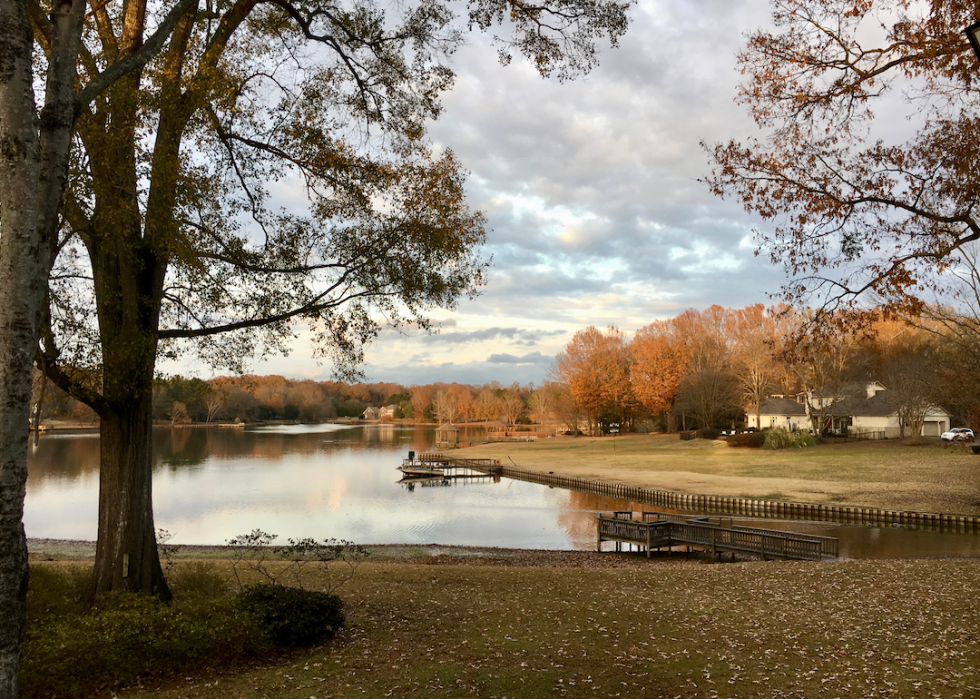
<point x="708" y="336"/>
<point x="859" y="212"/>
<point x="911" y="374"/>
<point x="707" y="395"/>
<point x="660" y="362"/>
<point x="821" y="361"/>
<point x="759" y="334"/>
<point x="421" y="399"/>
<point x="542" y="404"/>
<point x="595" y="368"/>
<point x="511" y="404"/>
<point x="487" y="404"/>
<point x="170" y="230"/>
<point x="36" y="136"/>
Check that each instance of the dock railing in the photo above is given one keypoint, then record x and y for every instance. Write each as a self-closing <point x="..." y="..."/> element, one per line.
<point x="658" y="530"/>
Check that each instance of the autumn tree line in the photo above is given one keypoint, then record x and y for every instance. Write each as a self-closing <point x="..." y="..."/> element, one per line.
<point x="260" y="398"/>
<point x="700" y="370"/>
<point x="707" y="369"/>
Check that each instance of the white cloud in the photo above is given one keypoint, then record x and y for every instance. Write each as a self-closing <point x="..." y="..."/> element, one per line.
<point x="592" y="198"/>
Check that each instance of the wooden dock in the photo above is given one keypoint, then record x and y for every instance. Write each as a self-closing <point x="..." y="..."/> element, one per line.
<point x="654" y="530"/>
<point x="450" y="466"/>
<point x="439" y="469"/>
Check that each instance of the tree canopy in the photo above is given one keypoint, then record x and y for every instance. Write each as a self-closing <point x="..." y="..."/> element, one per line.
<point x="269" y="168"/>
<point x="862" y="207"/>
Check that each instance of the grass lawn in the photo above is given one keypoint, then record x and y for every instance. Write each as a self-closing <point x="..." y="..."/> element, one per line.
<point x="603" y="626"/>
<point x="928" y="477"/>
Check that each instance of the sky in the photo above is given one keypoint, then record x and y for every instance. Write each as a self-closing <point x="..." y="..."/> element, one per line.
<point x="595" y="214"/>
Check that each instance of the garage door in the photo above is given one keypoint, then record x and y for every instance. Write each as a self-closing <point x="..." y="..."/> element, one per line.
<point x="930" y="428"/>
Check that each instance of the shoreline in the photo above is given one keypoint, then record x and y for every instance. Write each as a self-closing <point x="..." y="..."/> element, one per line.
<point x="57" y="550"/>
<point x="886" y="475"/>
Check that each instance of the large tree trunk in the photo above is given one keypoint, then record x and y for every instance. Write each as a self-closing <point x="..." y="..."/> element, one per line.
<point x="33" y="158"/>
<point x="20" y="279"/>
<point x="22" y="283"/>
<point x="129" y="286"/>
<point x="126" y="556"/>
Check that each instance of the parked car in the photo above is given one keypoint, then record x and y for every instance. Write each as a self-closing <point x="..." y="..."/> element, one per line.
<point x="958" y="434"/>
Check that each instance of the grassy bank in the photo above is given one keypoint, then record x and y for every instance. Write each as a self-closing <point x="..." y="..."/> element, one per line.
<point x="929" y="477"/>
<point x="590" y="625"/>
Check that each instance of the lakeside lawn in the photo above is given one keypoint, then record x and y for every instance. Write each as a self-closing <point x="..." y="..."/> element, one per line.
<point x="597" y="625"/>
<point x="929" y="477"/>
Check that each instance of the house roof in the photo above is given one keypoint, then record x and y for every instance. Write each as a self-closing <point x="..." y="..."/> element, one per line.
<point x="779" y="406"/>
<point x="883" y="404"/>
<point x="858" y="389"/>
<point x="448" y="427"/>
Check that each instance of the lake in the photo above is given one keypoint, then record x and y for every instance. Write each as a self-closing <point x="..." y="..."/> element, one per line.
<point x="337" y="481"/>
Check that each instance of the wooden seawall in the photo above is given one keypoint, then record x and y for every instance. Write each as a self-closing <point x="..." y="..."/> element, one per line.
<point x="733" y="506"/>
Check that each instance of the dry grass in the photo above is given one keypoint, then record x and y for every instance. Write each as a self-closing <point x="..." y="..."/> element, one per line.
<point x="929" y="477"/>
<point x="853" y="629"/>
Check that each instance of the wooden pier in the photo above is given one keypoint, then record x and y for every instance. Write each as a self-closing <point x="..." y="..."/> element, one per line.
<point x="438" y="468"/>
<point x="654" y="530"/>
<point x="450" y="466"/>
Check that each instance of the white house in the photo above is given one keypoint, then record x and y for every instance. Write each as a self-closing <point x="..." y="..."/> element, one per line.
<point x="387" y="412"/>
<point x="779" y="411"/>
<point x="856" y="409"/>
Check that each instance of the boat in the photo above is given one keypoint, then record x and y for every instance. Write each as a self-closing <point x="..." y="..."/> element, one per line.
<point x="421" y="471"/>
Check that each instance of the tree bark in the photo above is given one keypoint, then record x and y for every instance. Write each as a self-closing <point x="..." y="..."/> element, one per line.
<point x="22" y="279"/>
<point x="129" y="286"/>
<point x="126" y="556"/>
<point x="33" y="166"/>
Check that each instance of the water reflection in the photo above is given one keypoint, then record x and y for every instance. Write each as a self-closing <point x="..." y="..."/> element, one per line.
<point x="857" y="541"/>
<point x="212" y="484"/>
<point x="338" y="481"/>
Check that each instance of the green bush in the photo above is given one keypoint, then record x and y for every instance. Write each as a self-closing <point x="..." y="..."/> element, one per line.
<point x="198" y="578"/>
<point x="781" y="438"/>
<point x="747" y="439"/>
<point x="72" y="650"/>
<point x="292" y="616"/>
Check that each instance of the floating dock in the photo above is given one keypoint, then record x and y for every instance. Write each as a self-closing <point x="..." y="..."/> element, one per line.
<point x="433" y="469"/>
<point x="440" y="465"/>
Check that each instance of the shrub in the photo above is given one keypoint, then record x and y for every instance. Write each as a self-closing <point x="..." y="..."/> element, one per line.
<point x="254" y="554"/>
<point x="709" y="434"/>
<point x="781" y="438"/>
<point x="747" y="439"/>
<point x="71" y="650"/>
<point x="198" y="578"/>
<point x="292" y="616"/>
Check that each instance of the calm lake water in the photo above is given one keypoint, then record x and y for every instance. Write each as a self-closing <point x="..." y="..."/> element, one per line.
<point x="322" y="481"/>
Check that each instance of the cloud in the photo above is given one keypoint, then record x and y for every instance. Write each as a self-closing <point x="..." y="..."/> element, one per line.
<point x="529" y="358"/>
<point x="474" y="373"/>
<point x="591" y="193"/>
<point x="519" y="336"/>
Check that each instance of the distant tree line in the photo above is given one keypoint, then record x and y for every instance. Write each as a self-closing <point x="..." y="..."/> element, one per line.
<point x="249" y="398"/>
<point x="702" y="369"/>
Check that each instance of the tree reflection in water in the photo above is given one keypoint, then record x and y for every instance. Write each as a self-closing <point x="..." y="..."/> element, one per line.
<point x="213" y="483"/>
